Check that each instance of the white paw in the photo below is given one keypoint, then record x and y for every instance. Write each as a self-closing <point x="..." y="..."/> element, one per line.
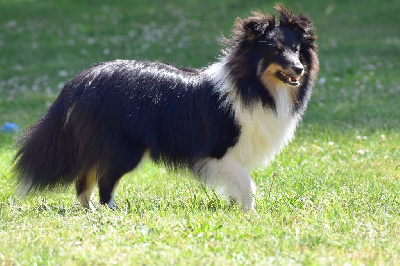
<point x="248" y="203"/>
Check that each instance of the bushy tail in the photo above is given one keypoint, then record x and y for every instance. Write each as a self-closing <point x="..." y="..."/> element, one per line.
<point x="47" y="155"/>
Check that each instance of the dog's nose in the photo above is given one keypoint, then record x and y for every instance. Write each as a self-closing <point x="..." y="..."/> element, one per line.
<point x="298" y="69"/>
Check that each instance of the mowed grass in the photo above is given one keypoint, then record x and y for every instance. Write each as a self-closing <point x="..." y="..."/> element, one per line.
<point x="332" y="196"/>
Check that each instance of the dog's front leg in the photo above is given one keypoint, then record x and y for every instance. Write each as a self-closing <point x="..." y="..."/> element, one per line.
<point x="231" y="179"/>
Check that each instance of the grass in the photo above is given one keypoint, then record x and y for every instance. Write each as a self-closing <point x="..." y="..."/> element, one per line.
<point x="331" y="197"/>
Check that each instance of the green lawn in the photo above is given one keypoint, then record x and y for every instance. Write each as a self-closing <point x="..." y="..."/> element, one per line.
<point x="332" y="196"/>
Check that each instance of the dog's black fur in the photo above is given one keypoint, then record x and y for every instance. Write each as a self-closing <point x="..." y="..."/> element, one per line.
<point x="114" y="114"/>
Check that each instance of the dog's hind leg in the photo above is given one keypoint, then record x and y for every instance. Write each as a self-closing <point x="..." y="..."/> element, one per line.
<point x="110" y="176"/>
<point x="230" y="178"/>
<point x="85" y="186"/>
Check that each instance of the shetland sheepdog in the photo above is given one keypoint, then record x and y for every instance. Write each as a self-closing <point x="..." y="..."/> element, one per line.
<point x="220" y="121"/>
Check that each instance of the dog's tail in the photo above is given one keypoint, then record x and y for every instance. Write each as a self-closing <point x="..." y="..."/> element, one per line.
<point x="47" y="154"/>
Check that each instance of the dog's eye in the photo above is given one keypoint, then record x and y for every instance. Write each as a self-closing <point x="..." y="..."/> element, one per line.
<point x="295" y="48"/>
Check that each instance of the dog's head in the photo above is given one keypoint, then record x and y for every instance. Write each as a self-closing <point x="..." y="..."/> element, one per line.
<point x="276" y="49"/>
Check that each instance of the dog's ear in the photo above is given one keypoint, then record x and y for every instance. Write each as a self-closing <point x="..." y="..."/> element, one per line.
<point x="254" y="27"/>
<point x="301" y="24"/>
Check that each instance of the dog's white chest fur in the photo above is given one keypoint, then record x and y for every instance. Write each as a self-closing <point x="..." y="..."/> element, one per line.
<point x="264" y="132"/>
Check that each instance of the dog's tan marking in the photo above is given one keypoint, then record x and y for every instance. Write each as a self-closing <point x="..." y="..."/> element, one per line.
<point x="85" y="186"/>
<point x="270" y="81"/>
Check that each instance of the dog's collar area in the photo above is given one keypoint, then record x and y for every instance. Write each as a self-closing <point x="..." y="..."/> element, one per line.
<point x="293" y="81"/>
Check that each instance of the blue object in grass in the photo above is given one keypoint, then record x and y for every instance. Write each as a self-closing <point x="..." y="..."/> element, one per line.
<point x="9" y="128"/>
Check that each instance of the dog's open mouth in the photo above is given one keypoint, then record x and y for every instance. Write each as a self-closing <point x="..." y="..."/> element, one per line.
<point x="293" y="81"/>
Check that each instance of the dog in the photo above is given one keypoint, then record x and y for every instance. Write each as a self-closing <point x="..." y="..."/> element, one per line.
<point x="220" y="122"/>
